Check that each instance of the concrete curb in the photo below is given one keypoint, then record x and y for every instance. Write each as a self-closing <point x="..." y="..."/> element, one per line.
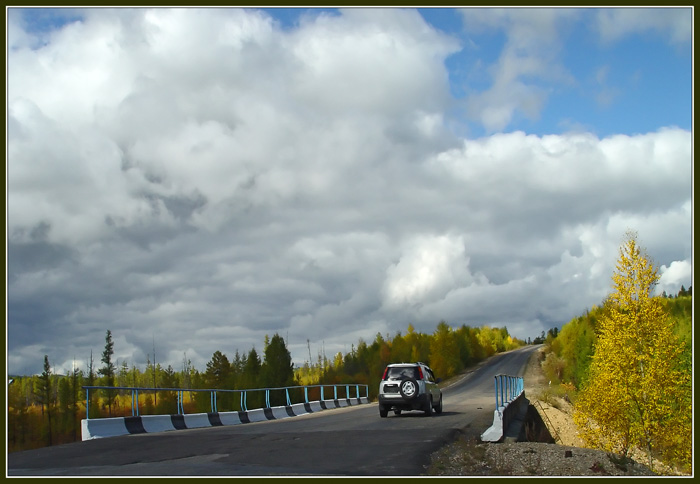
<point x="507" y="420"/>
<point x="97" y="428"/>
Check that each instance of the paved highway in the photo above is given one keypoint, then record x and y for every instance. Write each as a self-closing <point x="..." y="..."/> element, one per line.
<point x="351" y="441"/>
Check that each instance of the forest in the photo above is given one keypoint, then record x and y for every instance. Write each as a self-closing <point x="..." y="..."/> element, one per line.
<point x="46" y="409"/>
<point x="568" y="351"/>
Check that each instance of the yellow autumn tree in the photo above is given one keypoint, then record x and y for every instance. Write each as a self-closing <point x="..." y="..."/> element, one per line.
<point x="637" y="394"/>
<point x="444" y="351"/>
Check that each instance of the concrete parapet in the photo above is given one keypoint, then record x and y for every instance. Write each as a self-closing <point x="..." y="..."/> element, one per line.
<point x="507" y="420"/>
<point x="96" y="428"/>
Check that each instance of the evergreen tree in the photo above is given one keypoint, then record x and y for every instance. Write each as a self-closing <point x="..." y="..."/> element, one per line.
<point x="218" y="370"/>
<point x="92" y="408"/>
<point x="64" y="415"/>
<point x="219" y="375"/>
<point x="250" y="379"/>
<point x="277" y="368"/>
<point x="251" y="369"/>
<point x="76" y="379"/>
<point x="44" y="396"/>
<point x="108" y="369"/>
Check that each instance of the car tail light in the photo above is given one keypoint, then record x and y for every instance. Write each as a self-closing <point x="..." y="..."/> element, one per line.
<point x="420" y="373"/>
<point x="386" y="370"/>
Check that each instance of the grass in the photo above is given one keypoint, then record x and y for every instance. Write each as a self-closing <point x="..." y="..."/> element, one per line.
<point x="555" y="393"/>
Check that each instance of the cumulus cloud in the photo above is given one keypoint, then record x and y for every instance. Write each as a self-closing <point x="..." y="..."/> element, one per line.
<point x="429" y="267"/>
<point x="203" y="178"/>
<point x="677" y="274"/>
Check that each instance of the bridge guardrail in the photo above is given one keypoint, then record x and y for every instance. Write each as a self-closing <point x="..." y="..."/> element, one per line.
<point x="510" y="397"/>
<point x="243" y="395"/>
<point x="508" y="388"/>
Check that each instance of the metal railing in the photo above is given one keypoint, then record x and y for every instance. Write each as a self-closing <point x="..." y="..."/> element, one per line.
<point x="508" y="388"/>
<point x="243" y="395"/>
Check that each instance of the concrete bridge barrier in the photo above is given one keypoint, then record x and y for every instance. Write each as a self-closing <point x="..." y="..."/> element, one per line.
<point x="511" y="409"/>
<point x="97" y="428"/>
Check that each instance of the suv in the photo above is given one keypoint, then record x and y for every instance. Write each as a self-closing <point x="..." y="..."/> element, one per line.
<point x="409" y="386"/>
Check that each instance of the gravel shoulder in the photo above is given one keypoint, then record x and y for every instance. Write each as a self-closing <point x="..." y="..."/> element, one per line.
<point x="468" y="456"/>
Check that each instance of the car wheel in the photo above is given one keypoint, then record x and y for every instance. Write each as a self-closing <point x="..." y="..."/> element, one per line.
<point x="409" y="389"/>
<point x="438" y="409"/>
<point x="383" y="410"/>
<point x="429" y="407"/>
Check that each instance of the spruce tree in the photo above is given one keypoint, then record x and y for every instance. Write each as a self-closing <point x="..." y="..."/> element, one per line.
<point x="44" y="396"/>
<point x="107" y="371"/>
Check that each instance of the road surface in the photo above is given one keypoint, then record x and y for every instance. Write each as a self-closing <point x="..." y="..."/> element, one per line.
<point x="350" y="441"/>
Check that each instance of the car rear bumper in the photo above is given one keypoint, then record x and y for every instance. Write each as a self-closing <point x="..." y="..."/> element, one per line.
<point x="397" y="401"/>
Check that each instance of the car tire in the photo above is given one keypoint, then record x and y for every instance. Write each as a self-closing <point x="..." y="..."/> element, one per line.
<point x="429" y="407"/>
<point x="408" y="389"/>
<point x="438" y="409"/>
<point x="383" y="410"/>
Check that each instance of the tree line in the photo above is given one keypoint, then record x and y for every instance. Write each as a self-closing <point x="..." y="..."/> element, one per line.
<point x="629" y="363"/>
<point x="46" y="409"/>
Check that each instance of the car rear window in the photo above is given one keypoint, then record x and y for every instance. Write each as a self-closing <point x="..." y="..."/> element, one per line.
<point x="398" y="372"/>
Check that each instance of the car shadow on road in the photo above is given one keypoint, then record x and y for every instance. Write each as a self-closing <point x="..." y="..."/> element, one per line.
<point x="420" y="414"/>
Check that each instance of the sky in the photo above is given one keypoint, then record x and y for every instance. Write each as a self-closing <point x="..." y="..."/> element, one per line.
<point x="195" y="179"/>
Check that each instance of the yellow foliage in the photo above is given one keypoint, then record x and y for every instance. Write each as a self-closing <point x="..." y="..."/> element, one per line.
<point x="637" y="394"/>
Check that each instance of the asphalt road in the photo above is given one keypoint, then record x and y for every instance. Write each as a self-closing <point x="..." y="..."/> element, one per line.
<point x="351" y="441"/>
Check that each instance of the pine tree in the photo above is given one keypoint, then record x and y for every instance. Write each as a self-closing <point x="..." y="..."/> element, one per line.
<point x="637" y="394"/>
<point x="107" y="371"/>
<point x="44" y="396"/>
<point x="91" y="408"/>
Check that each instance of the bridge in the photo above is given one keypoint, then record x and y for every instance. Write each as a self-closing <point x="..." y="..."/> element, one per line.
<point x="347" y="441"/>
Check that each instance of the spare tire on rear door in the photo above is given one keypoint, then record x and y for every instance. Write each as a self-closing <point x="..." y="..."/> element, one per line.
<point x="408" y="388"/>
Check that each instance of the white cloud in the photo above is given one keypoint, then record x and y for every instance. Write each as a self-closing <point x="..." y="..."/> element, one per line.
<point x="428" y="268"/>
<point x="302" y="181"/>
<point x="673" y="23"/>
<point x="677" y="274"/>
<point x="370" y="61"/>
<point x="551" y="177"/>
